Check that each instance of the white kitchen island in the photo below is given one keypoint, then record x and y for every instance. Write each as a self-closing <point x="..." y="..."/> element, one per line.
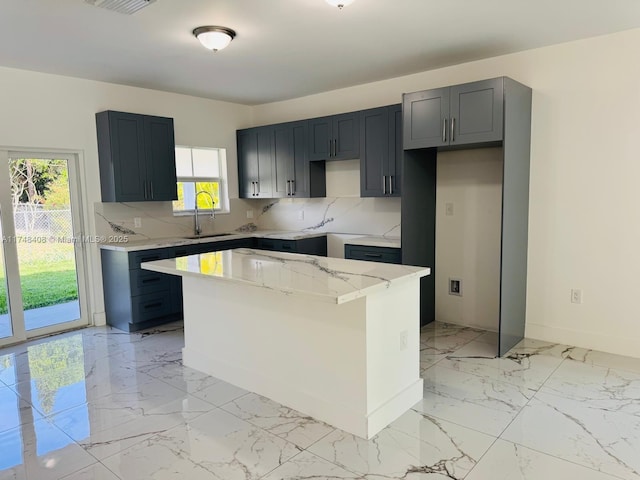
<point x="335" y="339"/>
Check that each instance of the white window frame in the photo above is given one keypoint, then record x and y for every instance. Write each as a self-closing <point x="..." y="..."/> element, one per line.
<point x="222" y="181"/>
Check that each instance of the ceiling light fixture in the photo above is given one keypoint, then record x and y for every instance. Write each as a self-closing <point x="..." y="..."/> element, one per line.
<point x="213" y="37"/>
<point x="339" y="3"/>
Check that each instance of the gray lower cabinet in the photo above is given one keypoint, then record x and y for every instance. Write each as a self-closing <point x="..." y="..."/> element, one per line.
<point x="136" y="299"/>
<point x="306" y="246"/>
<point x="460" y="115"/>
<point x="373" y="254"/>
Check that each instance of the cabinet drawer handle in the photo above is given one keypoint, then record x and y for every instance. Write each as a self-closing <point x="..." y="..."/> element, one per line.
<point x="153" y="305"/>
<point x="390" y="184"/>
<point x="444" y="130"/>
<point x="151" y="280"/>
<point x="384" y="184"/>
<point x="453" y="129"/>
<point x="373" y="255"/>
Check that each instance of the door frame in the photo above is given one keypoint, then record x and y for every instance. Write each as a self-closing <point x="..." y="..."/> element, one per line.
<point x="79" y="217"/>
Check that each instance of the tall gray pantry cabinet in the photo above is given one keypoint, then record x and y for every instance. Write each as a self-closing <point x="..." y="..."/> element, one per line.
<point x="489" y="113"/>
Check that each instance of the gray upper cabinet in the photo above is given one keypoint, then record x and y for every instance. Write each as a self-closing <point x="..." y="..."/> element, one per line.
<point x="380" y="151"/>
<point x="466" y="114"/>
<point x="136" y="157"/>
<point x="334" y="138"/>
<point x="272" y="161"/>
<point x="255" y="159"/>
<point x="290" y="160"/>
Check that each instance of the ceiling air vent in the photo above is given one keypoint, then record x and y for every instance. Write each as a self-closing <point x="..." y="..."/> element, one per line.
<point x="127" y="7"/>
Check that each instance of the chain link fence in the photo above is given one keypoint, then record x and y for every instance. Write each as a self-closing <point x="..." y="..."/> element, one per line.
<point x="34" y="220"/>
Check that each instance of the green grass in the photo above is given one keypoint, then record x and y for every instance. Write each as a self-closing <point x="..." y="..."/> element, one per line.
<point x="47" y="276"/>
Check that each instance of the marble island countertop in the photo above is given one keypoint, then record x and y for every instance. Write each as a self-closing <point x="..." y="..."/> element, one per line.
<point x="151" y="243"/>
<point x="332" y="280"/>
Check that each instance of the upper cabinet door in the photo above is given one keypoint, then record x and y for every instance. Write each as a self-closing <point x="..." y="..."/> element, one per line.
<point x="161" y="159"/>
<point x="396" y="152"/>
<point x="282" y="160"/>
<point x="300" y="186"/>
<point x="320" y="139"/>
<point x="476" y="112"/>
<point x="265" y="162"/>
<point x="247" y="162"/>
<point x="374" y="147"/>
<point x="122" y="157"/>
<point x="426" y="118"/>
<point x="346" y="136"/>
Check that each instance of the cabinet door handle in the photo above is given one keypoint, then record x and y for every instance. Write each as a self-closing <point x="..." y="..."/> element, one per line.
<point x="257" y="189"/>
<point x="384" y="184"/>
<point x="329" y="147"/>
<point x="444" y="130"/>
<point x="390" y="184"/>
<point x="144" y="185"/>
<point x="453" y="129"/>
<point x="335" y="148"/>
<point x="151" y="189"/>
<point x="288" y="187"/>
<point x="293" y="187"/>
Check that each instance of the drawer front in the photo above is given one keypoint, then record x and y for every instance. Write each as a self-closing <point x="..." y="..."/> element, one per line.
<point x="150" y="306"/>
<point x="288" y="246"/>
<point x="136" y="258"/>
<point x="373" y="254"/>
<point x="269" y="244"/>
<point x="146" y="281"/>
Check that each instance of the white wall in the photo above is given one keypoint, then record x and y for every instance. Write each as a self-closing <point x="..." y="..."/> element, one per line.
<point x="468" y="241"/>
<point x="54" y="112"/>
<point x="584" y="229"/>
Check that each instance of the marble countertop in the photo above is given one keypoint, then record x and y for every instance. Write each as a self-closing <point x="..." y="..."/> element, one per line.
<point x="332" y="280"/>
<point x="375" y="241"/>
<point x="151" y="243"/>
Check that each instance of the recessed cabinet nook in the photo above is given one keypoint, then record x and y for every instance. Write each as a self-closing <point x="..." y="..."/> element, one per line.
<point x="398" y="148"/>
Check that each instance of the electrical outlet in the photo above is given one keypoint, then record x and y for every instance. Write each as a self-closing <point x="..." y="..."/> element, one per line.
<point x="448" y="209"/>
<point x="576" y="296"/>
<point x="455" y="287"/>
<point x="301" y="215"/>
<point x="137" y="222"/>
<point x="403" y="339"/>
<point x="249" y="213"/>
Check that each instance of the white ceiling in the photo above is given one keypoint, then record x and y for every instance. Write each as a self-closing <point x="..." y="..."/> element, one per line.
<point x="287" y="48"/>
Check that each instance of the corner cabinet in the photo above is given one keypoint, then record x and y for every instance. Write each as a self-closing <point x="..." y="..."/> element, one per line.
<point x="136" y="156"/>
<point x="336" y="137"/>
<point x="381" y="151"/>
<point x="460" y="115"/>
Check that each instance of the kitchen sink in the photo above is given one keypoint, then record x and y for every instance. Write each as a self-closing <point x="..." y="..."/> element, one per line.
<point x="211" y="235"/>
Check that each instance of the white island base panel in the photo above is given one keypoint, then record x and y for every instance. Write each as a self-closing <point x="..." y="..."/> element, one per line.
<point x="347" y="365"/>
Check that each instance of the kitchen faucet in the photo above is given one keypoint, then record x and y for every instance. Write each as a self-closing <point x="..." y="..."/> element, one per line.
<point x="198" y="229"/>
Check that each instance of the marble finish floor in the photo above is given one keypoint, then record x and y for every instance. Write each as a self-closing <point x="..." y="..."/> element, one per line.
<point x="105" y="405"/>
